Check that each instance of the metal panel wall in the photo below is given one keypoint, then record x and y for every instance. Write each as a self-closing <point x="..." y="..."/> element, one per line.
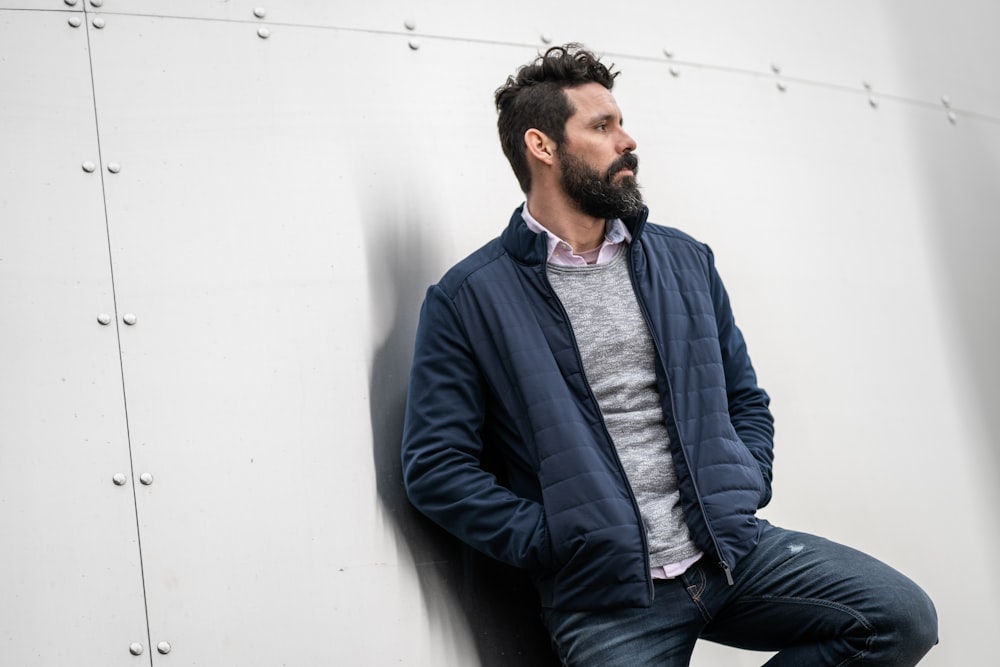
<point x="280" y="185"/>
<point x="71" y="584"/>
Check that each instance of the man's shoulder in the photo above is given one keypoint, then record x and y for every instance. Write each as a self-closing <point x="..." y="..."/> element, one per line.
<point x="673" y="238"/>
<point x="478" y="261"/>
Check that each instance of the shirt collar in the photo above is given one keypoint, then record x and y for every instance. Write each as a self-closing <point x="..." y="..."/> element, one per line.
<point x="560" y="252"/>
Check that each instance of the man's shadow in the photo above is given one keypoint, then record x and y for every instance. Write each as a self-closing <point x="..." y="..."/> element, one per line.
<point x="497" y="601"/>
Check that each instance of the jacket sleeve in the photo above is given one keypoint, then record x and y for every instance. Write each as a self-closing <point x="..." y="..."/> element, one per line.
<point x="748" y="403"/>
<point x="442" y="446"/>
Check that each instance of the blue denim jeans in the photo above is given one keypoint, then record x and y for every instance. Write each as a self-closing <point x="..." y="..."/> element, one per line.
<point x="814" y="601"/>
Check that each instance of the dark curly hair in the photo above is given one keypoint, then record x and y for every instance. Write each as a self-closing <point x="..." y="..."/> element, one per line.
<point x="535" y="98"/>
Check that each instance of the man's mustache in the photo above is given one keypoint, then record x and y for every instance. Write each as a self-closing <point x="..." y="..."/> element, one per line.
<point x="628" y="161"/>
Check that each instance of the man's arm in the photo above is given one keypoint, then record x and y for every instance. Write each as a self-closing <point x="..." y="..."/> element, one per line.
<point x="748" y="403"/>
<point x="442" y="446"/>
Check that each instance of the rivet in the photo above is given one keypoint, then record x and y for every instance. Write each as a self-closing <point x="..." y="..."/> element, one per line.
<point x="75" y="21"/>
<point x="88" y="167"/>
<point x="946" y="101"/>
<point x="163" y="647"/>
<point x="263" y="33"/>
<point x="96" y="3"/>
<point x="410" y="24"/>
<point x="674" y="71"/>
<point x="104" y="319"/>
<point x="119" y="479"/>
<point x="776" y="68"/>
<point x="781" y="86"/>
<point x="546" y="38"/>
<point x="414" y="44"/>
<point x="668" y="53"/>
<point x="867" y="85"/>
<point x="259" y="12"/>
<point x="952" y="118"/>
<point x="71" y="3"/>
<point x="114" y="167"/>
<point x="135" y="648"/>
<point x="146" y="478"/>
<point x="873" y="103"/>
<point x="129" y="318"/>
<point x="98" y="23"/>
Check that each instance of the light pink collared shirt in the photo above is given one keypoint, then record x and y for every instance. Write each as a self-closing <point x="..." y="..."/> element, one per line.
<point x="616" y="238"/>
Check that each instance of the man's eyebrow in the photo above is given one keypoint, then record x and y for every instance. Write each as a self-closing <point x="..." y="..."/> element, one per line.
<point x="605" y="117"/>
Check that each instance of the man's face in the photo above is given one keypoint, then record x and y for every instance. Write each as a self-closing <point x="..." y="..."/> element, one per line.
<point x="598" y="166"/>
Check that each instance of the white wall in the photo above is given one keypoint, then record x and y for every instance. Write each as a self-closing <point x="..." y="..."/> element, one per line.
<point x="280" y="206"/>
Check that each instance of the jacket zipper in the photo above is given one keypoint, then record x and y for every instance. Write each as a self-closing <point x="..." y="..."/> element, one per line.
<point x="607" y="434"/>
<point x="673" y="410"/>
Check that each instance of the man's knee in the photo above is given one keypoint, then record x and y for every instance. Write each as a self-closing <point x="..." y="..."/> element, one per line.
<point x="911" y="620"/>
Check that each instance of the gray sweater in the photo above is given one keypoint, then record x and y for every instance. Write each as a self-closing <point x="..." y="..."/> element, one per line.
<point x="619" y="361"/>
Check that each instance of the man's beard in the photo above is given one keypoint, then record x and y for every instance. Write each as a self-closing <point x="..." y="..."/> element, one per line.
<point x="601" y="196"/>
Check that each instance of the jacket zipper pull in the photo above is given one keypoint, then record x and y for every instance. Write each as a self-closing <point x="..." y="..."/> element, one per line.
<point x="725" y="568"/>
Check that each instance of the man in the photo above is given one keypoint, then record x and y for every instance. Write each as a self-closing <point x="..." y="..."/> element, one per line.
<point x="596" y="357"/>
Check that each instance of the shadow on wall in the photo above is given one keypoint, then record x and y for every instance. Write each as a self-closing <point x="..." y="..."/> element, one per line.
<point x="961" y="182"/>
<point x="497" y="602"/>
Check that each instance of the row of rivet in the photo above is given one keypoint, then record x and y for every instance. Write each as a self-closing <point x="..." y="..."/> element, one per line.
<point x="76" y="22"/>
<point x="135" y="648"/>
<point x="119" y="479"/>
<point x="93" y="3"/>
<point x="546" y="38"/>
<point x="90" y="167"/>
<point x="782" y="86"/>
<point x="104" y="319"/>
<point x="262" y="32"/>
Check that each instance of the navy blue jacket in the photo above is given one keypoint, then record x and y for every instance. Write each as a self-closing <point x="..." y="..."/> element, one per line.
<point x="497" y="376"/>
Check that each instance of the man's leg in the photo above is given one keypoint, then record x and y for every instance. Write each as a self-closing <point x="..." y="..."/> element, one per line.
<point x="663" y="635"/>
<point x="817" y="603"/>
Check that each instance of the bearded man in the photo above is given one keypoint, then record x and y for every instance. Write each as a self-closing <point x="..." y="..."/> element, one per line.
<point x="595" y="355"/>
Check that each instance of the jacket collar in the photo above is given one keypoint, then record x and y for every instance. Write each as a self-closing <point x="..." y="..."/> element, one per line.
<point x="528" y="247"/>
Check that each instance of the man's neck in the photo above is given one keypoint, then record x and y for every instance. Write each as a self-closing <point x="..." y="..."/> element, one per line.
<point x="559" y="216"/>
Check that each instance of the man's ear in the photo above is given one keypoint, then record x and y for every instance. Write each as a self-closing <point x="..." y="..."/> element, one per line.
<point x="540" y="146"/>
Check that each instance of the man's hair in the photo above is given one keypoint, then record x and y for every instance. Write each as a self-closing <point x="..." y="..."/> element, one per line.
<point x="535" y="98"/>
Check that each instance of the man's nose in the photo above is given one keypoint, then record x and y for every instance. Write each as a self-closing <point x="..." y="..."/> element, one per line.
<point x="628" y="143"/>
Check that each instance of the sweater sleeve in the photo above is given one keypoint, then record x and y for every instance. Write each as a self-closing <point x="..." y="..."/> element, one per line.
<point x="442" y="446"/>
<point x="748" y="403"/>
